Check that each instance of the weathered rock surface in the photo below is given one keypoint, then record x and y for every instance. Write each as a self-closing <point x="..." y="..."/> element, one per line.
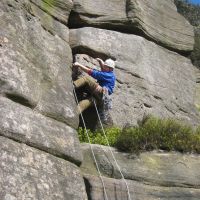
<point x="197" y="92"/>
<point x="165" y="169"/>
<point x="196" y="53"/>
<point x="27" y="173"/>
<point x="22" y="124"/>
<point x="49" y="23"/>
<point x="152" y="175"/>
<point x="116" y="189"/>
<point x="35" y="65"/>
<point x="37" y="104"/>
<point x="38" y="108"/>
<point x="150" y="79"/>
<point x="157" y="20"/>
<point x="59" y="9"/>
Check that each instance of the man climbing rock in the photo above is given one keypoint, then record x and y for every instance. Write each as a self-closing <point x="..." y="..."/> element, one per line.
<point x="101" y="84"/>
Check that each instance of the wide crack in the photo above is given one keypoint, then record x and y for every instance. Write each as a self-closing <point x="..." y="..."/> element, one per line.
<point x="89" y="115"/>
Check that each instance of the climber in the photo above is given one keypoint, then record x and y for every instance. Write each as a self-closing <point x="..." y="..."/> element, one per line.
<point x="101" y="84"/>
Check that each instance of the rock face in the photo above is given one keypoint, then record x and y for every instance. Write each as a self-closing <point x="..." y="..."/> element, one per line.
<point x="59" y="9"/>
<point x="40" y="151"/>
<point x="22" y="124"/>
<point x="27" y="173"/>
<point x="49" y="23"/>
<point x="151" y="175"/>
<point x="34" y="74"/>
<point x="153" y="80"/>
<point x="37" y="104"/>
<point x="196" y="53"/>
<point x="157" y="20"/>
<point x="116" y="189"/>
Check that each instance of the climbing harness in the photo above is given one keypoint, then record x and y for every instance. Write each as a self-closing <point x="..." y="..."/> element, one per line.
<point x="104" y="189"/>
<point x="105" y="105"/>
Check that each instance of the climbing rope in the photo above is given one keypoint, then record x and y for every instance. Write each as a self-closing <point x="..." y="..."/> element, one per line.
<point x="99" y="172"/>
<point x="129" y="196"/>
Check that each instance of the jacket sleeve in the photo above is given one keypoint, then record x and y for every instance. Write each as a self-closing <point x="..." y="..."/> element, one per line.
<point x="98" y="75"/>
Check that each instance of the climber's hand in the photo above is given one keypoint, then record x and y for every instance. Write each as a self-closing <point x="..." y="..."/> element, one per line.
<point x="76" y="64"/>
<point x="99" y="60"/>
<point x="99" y="89"/>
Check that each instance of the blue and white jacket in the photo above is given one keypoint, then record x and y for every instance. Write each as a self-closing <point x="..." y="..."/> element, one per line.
<point x="104" y="78"/>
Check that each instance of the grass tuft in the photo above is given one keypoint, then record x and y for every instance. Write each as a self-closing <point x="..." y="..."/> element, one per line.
<point x="150" y="134"/>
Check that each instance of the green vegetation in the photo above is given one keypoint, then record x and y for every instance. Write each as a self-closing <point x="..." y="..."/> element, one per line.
<point x="195" y="56"/>
<point x="48" y="5"/>
<point x="192" y="14"/>
<point x="97" y="137"/>
<point x="151" y="133"/>
<point x="190" y="11"/>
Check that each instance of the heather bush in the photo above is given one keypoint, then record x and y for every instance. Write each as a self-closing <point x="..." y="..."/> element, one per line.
<point x="151" y="134"/>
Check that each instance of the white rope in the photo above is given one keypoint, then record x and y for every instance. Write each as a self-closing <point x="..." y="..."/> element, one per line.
<point x="104" y="188"/>
<point x="129" y="196"/>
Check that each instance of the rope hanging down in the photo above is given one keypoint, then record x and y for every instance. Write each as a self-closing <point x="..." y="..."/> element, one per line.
<point x="105" y="193"/>
<point x="129" y="196"/>
<point x="104" y="189"/>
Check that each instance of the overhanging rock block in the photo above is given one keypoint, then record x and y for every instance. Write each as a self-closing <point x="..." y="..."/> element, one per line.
<point x="150" y="78"/>
<point x="157" y="20"/>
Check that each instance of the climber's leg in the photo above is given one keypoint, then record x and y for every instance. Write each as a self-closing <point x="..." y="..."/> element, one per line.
<point x="86" y="80"/>
<point x="95" y="88"/>
<point x="84" y="104"/>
